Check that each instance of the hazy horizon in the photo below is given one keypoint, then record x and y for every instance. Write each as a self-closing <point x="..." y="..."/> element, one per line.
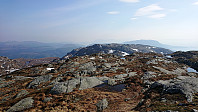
<point x="90" y="21"/>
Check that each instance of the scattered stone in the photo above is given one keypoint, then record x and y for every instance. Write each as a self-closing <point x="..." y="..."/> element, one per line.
<point x="101" y="105"/>
<point x="148" y="75"/>
<point x="22" y="105"/>
<point x="47" y="99"/>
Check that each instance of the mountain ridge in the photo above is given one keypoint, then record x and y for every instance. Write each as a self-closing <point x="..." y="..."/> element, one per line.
<point x="34" y="49"/>
<point x="156" y="44"/>
<point x="117" y="49"/>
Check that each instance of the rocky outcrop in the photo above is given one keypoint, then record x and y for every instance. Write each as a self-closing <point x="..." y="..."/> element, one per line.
<point x="22" y="105"/>
<point x="154" y="81"/>
<point x="189" y="58"/>
<point x="185" y="85"/>
<point x="22" y="93"/>
<point x="68" y="86"/>
<point x="38" y="80"/>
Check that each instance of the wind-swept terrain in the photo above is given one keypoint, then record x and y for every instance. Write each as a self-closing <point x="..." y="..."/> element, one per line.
<point x="103" y="81"/>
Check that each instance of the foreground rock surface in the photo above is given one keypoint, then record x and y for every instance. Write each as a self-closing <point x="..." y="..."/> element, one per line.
<point x="102" y="82"/>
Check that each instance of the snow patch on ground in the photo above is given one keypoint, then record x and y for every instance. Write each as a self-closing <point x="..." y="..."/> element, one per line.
<point x="111" y="51"/>
<point x="49" y="69"/>
<point x="135" y="50"/>
<point x="124" y="53"/>
<point x="92" y="58"/>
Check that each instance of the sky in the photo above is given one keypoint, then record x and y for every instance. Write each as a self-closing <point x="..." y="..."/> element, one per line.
<point x="173" y="22"/>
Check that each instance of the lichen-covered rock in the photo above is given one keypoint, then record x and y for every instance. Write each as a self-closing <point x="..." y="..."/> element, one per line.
<point x="65" y="87"/>
<point x="177" y="71"/>
<point x="187" y="86"/>
<point x="22" y="105"/>
<point x="68" y="86"/>
<point x="21" y="78"/>
<point x="55" y="81"/>
<point x="41" y="79"/>
<point x="22" y="93"/>
<point x="89" y="82"/>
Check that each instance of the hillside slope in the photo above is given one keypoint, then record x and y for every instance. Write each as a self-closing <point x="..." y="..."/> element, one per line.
<point x="116" y="49"/>
<point x="138" y="82"/>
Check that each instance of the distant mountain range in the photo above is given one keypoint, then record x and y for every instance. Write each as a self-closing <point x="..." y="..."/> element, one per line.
<point x="117" y="49"/>
<point x="156" y="44"/>
<point x="34" y="50"/>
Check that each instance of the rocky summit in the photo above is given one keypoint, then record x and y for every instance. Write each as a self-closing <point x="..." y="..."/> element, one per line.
<point x="145" y="82"/>
<point x="116" y="49"/>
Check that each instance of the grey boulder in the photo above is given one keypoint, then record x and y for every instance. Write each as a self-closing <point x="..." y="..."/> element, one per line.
<point x="22" y="105"/>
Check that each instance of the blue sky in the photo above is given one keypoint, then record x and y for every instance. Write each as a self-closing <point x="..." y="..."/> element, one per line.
<point x="173" y="22"/>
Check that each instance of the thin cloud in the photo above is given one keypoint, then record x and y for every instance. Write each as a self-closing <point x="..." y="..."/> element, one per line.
<point x="157" y="16"/>
<point x="113" y="12"/>
<point x="130" y="1"/>
<point x="196" y="3"/>
<point x="133" y="18"/>
<point x="148" y="10"/>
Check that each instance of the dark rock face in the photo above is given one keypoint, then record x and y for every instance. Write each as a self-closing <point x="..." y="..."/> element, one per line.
<point x="117" y="49"/>
<point x="189" y="58"/>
